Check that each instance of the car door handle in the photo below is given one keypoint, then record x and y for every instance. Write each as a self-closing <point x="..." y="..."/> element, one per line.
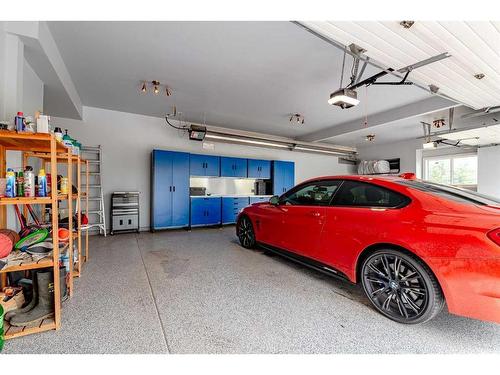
<point x="315" y="213"/>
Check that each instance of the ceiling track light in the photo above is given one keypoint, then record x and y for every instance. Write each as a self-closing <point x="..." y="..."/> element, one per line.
<point x="407" y="24"/>
<point x="156" y="86"/>
<point x="370" y="137"/>
<point x="298" y="118"/>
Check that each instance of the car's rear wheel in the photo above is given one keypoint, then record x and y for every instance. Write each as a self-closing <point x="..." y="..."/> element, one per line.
<point x="401" y="287"/>
<point x="246" y="234"/>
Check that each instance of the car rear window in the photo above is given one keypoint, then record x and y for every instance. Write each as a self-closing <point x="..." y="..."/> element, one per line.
<point x="451" y="193"/>
<point x="363" y="194"/>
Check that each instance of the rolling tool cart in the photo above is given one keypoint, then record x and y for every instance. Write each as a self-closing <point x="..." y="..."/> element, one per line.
<point x="125" y="211"/>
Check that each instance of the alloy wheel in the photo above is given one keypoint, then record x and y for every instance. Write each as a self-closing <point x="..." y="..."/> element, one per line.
<point x="245" y="233"/>
<point x="395" y="286"/>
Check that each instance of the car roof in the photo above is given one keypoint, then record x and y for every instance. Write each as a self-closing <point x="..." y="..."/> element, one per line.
<point x="366" y="178"/>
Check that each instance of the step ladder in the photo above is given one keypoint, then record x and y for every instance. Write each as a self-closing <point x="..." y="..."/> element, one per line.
<point x="95" y="209"/>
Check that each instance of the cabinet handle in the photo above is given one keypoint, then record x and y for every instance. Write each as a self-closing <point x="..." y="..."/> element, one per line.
<point x="174" y="188"/>
<point x="170" y="188"/>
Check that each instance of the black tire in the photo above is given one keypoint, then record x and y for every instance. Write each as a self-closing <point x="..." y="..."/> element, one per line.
<point x="246" y="233"/>
<point x="401" y="287"/>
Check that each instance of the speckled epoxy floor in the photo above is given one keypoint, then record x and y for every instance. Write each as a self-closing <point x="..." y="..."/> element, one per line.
<point x="199" y="292"/>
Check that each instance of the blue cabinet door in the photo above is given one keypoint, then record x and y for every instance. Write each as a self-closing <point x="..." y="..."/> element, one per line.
<point x="283" y="176"/>
<point x="205" y="211"/>
<point x="204" y="165"/>
<point x="180" y="189"/>
<point x="259" y="169"/>
<point x="198" y="211"/>
<point x="212" y="165"/>
<point x="161" y="201"/>
<point x="233" y="167"/>
<point x="214" y="211"/>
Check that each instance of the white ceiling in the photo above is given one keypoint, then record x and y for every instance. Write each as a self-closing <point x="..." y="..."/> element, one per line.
<point x="474" y="48"/>
<point x="477" y="137"/>
<point x="411" y="128"/>
<point x="241" y="75"/>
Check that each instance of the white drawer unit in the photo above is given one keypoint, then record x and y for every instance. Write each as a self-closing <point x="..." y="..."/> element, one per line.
<point x="125" y="211"/>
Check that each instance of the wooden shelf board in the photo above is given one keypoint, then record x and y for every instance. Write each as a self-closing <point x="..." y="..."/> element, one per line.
<point x="28" y="141"/>
<point x="42" y="263"/>
<point x="31" y="200"/>
<point x="11" y="332"/>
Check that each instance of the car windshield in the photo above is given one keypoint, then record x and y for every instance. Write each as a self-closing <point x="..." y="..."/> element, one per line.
<point x="452" y="193"/>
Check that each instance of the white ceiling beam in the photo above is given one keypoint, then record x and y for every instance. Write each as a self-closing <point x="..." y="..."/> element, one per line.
<point x="422" y="107"/>
<point x="44" y="57"/>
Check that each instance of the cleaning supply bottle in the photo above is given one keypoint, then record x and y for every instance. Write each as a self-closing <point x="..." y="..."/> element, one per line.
<point x="42" y="183"/>
<point x="20" y="184"/>
<point x="29" y="182"/>
<point x="10" y="189"/>
<point x="20" y="122"/>
<point x="58" y="133"/>
<point x="68" y="142"/>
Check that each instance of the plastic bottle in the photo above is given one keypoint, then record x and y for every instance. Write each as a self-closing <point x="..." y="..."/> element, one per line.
<point x="58" y="133"/>
<point x="20" y="184"/>
<point x="67" y="139"/>
<point x="29" y="182"/>
<point x="10" y="189"/>
<point x="19" y="122"/>
<point x="42" y="183"/>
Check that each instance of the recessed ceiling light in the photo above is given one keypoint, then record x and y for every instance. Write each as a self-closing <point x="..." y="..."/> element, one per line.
<point x="479" y="76"/>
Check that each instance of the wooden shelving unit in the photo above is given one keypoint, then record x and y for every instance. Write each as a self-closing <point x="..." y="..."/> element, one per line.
<point x="38" y="143"/>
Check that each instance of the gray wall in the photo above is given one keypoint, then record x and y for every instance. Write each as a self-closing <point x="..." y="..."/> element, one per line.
<point x="127" y="140"/>
<point x="488" y="176"/>
<point x="405" y="150"/>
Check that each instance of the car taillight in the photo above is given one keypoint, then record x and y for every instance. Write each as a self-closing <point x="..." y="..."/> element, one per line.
<point x="494" y="235"/>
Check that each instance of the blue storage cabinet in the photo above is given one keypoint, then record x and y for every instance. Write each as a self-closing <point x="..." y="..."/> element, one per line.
<point x="233" y="167"/>
<point x="259" y="199"/>
<point x="205" y="211"/>
<point x="204" y="165"/>
<point x="259" y="169"/>
<point x="169" y="189"/>
<point x="283" y="176"/>
<point x="231" y="207"/>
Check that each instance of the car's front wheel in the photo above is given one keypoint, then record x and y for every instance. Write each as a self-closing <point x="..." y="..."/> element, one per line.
<point x="245" y="232"/>
<point x="401" y="287"/>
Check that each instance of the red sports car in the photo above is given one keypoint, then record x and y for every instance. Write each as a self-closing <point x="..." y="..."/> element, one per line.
<point x="412" y="244"/>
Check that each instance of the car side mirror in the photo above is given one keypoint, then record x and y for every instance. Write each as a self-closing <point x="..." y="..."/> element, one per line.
<point x="275" y="200"/>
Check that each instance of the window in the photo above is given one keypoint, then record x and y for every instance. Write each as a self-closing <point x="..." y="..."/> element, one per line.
<point x="452" y="193"/>
<point x="317" y="193"/>
<point x="362" y="194"/>
<point x="457" y="170"/>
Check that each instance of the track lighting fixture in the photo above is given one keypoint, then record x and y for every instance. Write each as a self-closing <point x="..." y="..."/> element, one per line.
<point x="156" y="89"/>
<point x="298" y="118"/>
<point x="438" y="123"/>
<point x="156" y="86"/>
<point x="370" y="137"/>
<point x="407" y="24"/>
